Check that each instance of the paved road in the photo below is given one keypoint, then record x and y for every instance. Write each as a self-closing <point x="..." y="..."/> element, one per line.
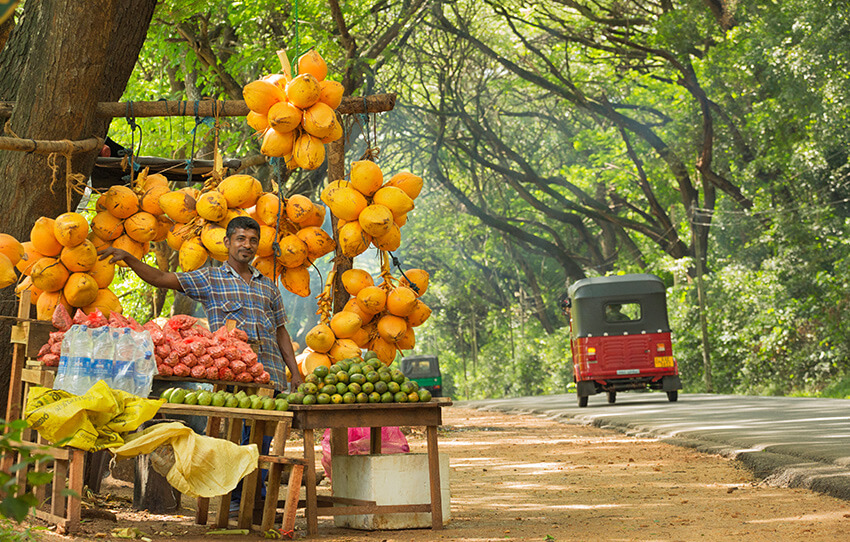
<point x="790" y="441"/>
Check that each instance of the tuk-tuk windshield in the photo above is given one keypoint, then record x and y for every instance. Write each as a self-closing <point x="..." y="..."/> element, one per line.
<point x="421" y="367"/>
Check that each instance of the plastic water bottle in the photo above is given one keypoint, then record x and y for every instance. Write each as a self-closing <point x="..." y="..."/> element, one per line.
<point x="145" y="365"/>
<point x="79" y="359"/>
<point x="124" y="370"/>
<point x="103" y="354"/>
<point x="62" y="372"/>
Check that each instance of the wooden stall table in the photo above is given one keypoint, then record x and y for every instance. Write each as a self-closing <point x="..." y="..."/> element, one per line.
<point x="262" y="422"/>
<point x="375" y="416"/>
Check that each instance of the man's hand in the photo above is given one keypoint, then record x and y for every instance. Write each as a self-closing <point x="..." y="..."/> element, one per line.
<point x="296" y="381"/>
<point x="116" y="254"/>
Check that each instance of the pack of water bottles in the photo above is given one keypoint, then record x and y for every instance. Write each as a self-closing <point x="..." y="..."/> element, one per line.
<point x="121" y="357"/>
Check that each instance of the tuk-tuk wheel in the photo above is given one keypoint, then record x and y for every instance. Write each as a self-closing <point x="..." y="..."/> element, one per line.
<point x="612" y="397"/>
<point x="582" y="401"/>
<point x="673" y="396"/>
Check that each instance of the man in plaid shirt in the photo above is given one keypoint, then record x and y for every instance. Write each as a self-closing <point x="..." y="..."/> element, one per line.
<point x="233" y="291"/>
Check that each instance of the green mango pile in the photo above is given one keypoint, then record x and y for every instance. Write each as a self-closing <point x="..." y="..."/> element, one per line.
<point x="353" y="380"/>
<point x="239" y="399"/>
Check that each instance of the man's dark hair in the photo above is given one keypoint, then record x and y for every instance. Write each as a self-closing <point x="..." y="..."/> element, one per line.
<point x="242" y="223"/>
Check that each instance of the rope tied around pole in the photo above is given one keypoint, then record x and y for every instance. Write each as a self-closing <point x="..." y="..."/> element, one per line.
<point x="74" y="182"/>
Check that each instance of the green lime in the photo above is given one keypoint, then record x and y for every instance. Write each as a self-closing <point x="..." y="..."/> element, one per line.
<point x="328" y="389"/>
<point x="281" y="404"/>
<point x="231" y="402"/>
<point x="191" y="398"/>
<point x="310" y="388"/>
<point x="415" y="385"/>
<point x="296" y="398"/>
<point x="385" y="376"/>
<point x="393" y="387"/>
<point x="312" y="378"/>
<point x="397" y="376"/>
<point x="373" y="376"/>
<point x="321" y="371"/>
<point x="205" y="398"/>
<point x="355" y="388"/>
<point x="309" y="400"/>
<point x="336" y="398"/>
<point x="177" y="396"/>
<point x="330" y="379"/>
<point x="362" y="398"/>
<point x="387" y="397"/>
<point x="343" y="365"/>
<point x="370" y="354"/>
<point x="374" y="397"/>
<point x="407" y="387"/>
<point x="269" y="404"/>
<point x="374" y="363"/>
<point x="334" y="369"/>
<point x="217" y="400"/>
<point x="303" y="388"/>
<point x="342" y="376"/>
<point x="368" y="388"/>
<point x="167" y="393"/>
<point x="349" y="397"/>
<point x="323" y="398"/>
<point x="381" y="386"/>
<point x="359" y="378"/>
<point x="355" y="368"/>
<point x="400" y="397"/>
<point x="245" y="402"/>
<point x="241" y="393"/>
<point x="341" y="388"/>
<point x="424" y="395"/>
<point x="281" y="395"/>
<point x="256" y="401"/>
<point x="413" y="397"/>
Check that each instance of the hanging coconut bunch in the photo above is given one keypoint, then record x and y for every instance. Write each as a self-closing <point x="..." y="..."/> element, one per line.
<point x="371" y="211"/>
<point x="296" y="115"/>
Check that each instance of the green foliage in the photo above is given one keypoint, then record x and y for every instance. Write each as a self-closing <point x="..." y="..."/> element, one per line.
<point x="13" y="506"/>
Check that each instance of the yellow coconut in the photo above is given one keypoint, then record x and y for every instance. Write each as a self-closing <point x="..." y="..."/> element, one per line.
<point x="278" y="79"/>
<point x="354" y="280"/>
<point x="137" y="249"/>
<point x="389" y="241"/>
<point x="268" y="236"/>
<point x="344" y="348"/>
<point x="366" y="177"/>
<point x="106" y="301"/>
<point x="31" y="256"/>
<point x="293" y="251"/>
<point x="49" y="275"/>
<point x="163" y="225"/>
<point x="107" y="226"/>
<point x="298" y="208"/>
<point x="395" y="198"/>
<point x="400" y="220"/>
<point x="80" y="289"/>
<point x="362" y="336"/>
<point x="321" y="338"/>
<point x="372" y="299"/>
<point x="352" y="306"/>
<point x="212" y="237"/>
<point x="97" y="241"/>
<point x="150" y="199"/>
<point x="266" y="266"/>
<point x="267" y="208"/>
<point x="100" y="203"/>
<point x="257" y="121"/>
<point x="317" y="240"/>
<point x="26" y="284"/>
<point x="345" y="324"/>
<point x="155" y="179"/>
<point x="47" y="303"/>
<point x="121" y="201"/>
<point x="191" y="191"/>
<point x="401" y="301"/>
<point x="179" y="205"/>
<point x="80" y="258"/>
<point x="141" y="227"/>
<point x="335" y="133"/>
<point x="353" y="240"/>
<point x="261" y="95"/>
<point x="192" y="254"/>
<point x="303" y="91"/>
<point x="417" y="280"/>
<point x="289" y="162"/>
<point x="231" y="214"/>
<point x="70" y="229"/>
<point x="386" y="351"/>
<point x="334" y="185"/>
<point x="419" y="314"/>
<point x="284" y="117"/>
<point x="7" y="272"/>
<point x="102" y="272"/>
<point x="11" y="248"/>
<point x="330" y="93"/>
<point x="345" y="202"/>
<point x="178" y="233"/>
<point x="276" y="144"/>
<point x="316" y="217"/>
<point x="312" y="62"/>
<point x="313" y="360"/>
<point x="407" y="340"/>
<point x="376" y="220"/>
<point x="308" y="152"/>
<point x="296" y="280"/>
<point x="43" y="238"/>
<point x="318" y="120"/>
<point x="239" y="190"/>
<point x="407" y="181"/>
<point x="211" y="206"/>
<point x="391" y="327"/>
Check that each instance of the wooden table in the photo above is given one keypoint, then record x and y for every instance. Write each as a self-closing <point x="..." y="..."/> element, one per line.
<point x="262" y="422"/>
<point x="374" y="415"/>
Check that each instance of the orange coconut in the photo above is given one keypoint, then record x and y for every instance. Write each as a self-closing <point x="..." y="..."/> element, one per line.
<point x="80" y="289"/>
<point x="352" y="306"/>
<point x="354" y="280"/>
<point x="297" y="280"/>
<point x="150" y="199"/>
<point x="318" y="120"/>
<point x="316" y="217"/>
<point x="335" y="133"/>
<point x="389" y="241"/>
<point x="192" y="254"/>
<point x="401" y="301"/>
<point x="407" y="340"/>
<point x="298" y="208"/>
<point x="266" y="266"/>
<point x="267" y="208"/>
<point x="321" y="338"/>
<point x="102" y="272"/>
<point x="7" y="272"/>
<point x="313" y="360"/>
<point x="372" y="299"/>
<point x="79" y="259"/>
<point x="366" y="177"/>
<point x="100" y="203"/>
<point x="344" y="348"/>
<point x="391" y="327"/>
<point x="179" y="205"/>
<point x="155" y="179"/>
<point x="317" y="240"/>
<point x="141" y="227"/>
<point x="345" y="324"/>
<point x="330" y="92"/>
<point x="308" y="152"/>
<point x="420" y="313"/>
<point x="211" y="206"/>
<point x="293" y="251"/>
<point x="257" y="121"/>
<point x="47" y="303"/>
<point x="261" y="95"/>
<point x="163" y="225"/>
<point x="268" y="236"/>
<point x="386" y="351"/>
<point x="106" y="301"/>
<point x="178" y="233"/>
<point x="312" y="62"/>
<point x="284" y="117"/>
<point x="276" y="144"/>
<point x="191" y="191"/>
<point x="31" y="256"/>
<point x="70" y="229"/>
<point x="376" y="220"/>
<point x="353" y="240"/>
<point x="362" y="336"/>
<point x="418" y="278"/>
<point x="11" y="248"/>
<point x="125" y="242"/>
<point x="107" y="226"/>
<point x="121" y="201"/>
<point x="49" y="275"/>
<point x="231" y="214"/>
<point x="395" y="198"/>
<point x="43" y="238"/>
<point x="407" y="181"/>
<point x="303" y="91"/>
<point x="240" y="190"/>
<point x="345" y="202"/>
<point x="400" y="220"/>
<point x="212" y="237"/>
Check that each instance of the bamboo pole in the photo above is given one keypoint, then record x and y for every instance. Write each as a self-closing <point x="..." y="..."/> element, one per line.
<point x="376" y="103"/>
<point x="48" y="147"/>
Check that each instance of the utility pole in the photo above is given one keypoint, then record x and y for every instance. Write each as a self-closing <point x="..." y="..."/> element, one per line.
<point x="703" y="318"/>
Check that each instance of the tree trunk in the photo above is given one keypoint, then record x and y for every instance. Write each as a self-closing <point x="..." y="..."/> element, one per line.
<point x="66" y="56"/>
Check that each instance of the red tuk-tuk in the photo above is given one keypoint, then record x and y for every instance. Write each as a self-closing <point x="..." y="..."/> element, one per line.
<point x="620" y="337"/>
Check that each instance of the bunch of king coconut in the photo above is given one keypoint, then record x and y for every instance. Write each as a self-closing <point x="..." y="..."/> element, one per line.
<point x="295" y="115"/>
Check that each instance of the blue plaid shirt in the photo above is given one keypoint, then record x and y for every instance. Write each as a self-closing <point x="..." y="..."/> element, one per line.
<point x="256" y="306"/>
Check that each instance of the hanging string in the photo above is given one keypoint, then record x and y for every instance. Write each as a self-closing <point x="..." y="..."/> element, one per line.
<point x="276" y="174"/>
<point x="190" y="163"/>
<point x="397" y="264"/>
<point x="297" y="42"/>
<point x="131" y="153"/>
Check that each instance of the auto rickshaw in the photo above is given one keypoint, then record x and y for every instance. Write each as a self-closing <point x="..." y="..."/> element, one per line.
<point x="425" y="371"/>
<point x="620" y="337"/>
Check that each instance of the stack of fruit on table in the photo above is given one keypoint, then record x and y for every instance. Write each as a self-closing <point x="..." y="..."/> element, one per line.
<point x="222" y="398"/>
<point x="354" y="380"/>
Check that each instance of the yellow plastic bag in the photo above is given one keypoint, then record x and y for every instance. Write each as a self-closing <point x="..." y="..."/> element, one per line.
<point x="92" y="421"/>
<point x="204" y="466"/>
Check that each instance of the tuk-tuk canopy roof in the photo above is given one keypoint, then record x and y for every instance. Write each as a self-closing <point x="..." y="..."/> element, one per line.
<point x="617" y="285"/>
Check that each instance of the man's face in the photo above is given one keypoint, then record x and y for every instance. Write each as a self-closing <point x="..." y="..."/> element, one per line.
<point x="242" y="245"/>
